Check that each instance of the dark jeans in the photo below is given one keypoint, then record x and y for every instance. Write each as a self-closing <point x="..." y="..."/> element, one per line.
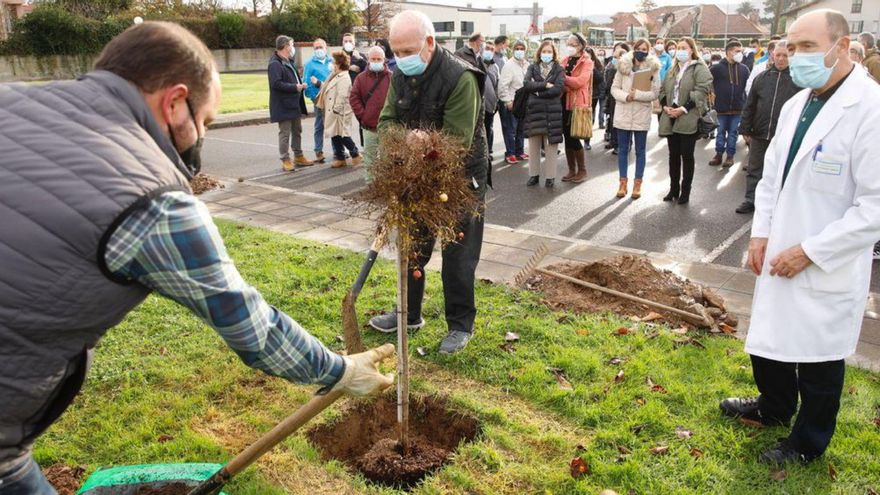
<point x="512" y="129"/>
<point x="819" y="386"/>
<point x="728" y="129"/>
<point x="681" y="161"/>
<point x="571" y="143"/>
<point x="595" y="103"/>
<point x="624" y="140"/>
<point x="757" y="150"/>
<point x="489" y="122"/>
<point x="25" y="479"/>
<point x="601" y="113"/>
<point x="458" y="271"/>
<point x="340" y="144"/>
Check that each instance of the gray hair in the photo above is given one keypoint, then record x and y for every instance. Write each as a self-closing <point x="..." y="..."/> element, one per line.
<point x="868" y="40"/>
<point x="376" y="49"/>
<point x="858" y="48"/>
<point x="421" y="18"/>
<point x="282" y="41"/>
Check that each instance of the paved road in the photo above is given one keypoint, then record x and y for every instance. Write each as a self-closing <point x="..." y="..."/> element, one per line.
<point x="706" y="230"/>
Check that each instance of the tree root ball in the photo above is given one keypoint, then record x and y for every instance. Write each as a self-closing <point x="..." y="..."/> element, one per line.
<point x="364" y="438"/>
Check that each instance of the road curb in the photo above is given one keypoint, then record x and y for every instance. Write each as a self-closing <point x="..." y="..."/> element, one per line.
<point x="229" y="120"/>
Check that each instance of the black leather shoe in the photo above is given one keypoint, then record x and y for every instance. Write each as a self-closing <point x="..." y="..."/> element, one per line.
<point x="672" y="196"/>
<point x="746" y="207"/>
<point x="533" y="180"/>
<point x="549" y="182"/>
<point x="747" y="407"/>
<point x="783" y="453"/>
<point x="684" y="199"/>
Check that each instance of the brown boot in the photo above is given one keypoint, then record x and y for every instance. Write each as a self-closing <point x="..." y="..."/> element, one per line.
<point x="319" y="157"/>
<point x="581" y="174"/>
<point x="714" y="162"/>
<point x="356" y="160"/>
<point x="338" y="163"/>
<point x="302" y="161"/>
<point x="572" y="169"/>
<point x="637" y="189"/>
<point x="287" y="165"/>
<point x="621" y="192"/>
<point x="729" y="162"/>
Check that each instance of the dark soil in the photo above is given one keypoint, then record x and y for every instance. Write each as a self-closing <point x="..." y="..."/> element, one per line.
<point x="634" y="275"/>
<point x="65" y="479"/>
<point x="173" y="488"/>
<point x="365" y="439"/>
<point x="203" y="183"/>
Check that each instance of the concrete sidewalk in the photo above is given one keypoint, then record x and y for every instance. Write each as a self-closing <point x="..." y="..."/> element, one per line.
<point x="328" y="220"/>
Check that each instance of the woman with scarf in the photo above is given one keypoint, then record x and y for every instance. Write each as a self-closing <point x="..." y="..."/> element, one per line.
<point x="545" y="82"/>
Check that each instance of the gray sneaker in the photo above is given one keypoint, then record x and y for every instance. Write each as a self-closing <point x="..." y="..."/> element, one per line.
<point x="455" y="341"/>
<point x="387" y="322"/>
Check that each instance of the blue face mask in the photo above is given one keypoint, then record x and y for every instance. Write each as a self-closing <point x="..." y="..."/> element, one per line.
<point x="376" y="66"/>
<point x="413" y="65"/>
<point x="808" y="69"/>
<point x="614" y="62"/>
<point x="487" y="56"/>
<point x="546" y="57"/>
<point x="320" y="54"/>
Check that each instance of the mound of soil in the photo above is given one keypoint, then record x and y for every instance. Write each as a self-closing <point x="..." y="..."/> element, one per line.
<point x="634" y="275"/>
<point x="174" y="488"/>
<point x="65" y="479"/>
<point x="365" y="439"/>
<point x="203" y="183"/>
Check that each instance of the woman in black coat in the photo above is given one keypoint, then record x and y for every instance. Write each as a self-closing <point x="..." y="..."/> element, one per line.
<point x="610" y="71"/>
<point x="544" y="81"/>
<point x="598" y="88"/>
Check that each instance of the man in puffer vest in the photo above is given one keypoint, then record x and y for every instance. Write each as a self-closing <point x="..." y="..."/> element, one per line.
<point x="97" y="213"/>
<point x="433" y="89"/>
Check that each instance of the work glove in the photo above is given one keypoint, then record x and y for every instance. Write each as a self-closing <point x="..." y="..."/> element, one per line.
<point x="362" y="377"/>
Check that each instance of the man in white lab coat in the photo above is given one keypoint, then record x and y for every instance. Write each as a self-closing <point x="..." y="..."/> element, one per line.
<point x="817" y="217"/>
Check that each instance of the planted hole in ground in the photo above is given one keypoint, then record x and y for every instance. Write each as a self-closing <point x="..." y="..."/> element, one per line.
<point x="364" y="438"/>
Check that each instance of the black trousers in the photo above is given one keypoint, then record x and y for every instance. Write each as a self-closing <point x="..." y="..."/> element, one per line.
<point x="458" y="272"/>
<point x="681" y="161"/>
<point x="757" y="150"/>
<point x="819" y="386"/>
<point x="571" y="143"/>
<point x="489" y="124"/>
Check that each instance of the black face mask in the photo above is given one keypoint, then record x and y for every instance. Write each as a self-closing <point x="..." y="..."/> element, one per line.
<point x="192" y="156"/>
<point x="640" y="56"/>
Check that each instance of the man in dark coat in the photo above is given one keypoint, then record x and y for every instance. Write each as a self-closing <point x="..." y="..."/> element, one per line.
<point x="729" y="79"/>
<point x="433" y="89"/>
<point x="287" y="104"/>
<point x="769" y="92"/>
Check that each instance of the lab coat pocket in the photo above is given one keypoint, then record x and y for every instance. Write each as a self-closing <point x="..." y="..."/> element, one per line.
<point x="828" y="173"/>
<point x="838" y="281"/>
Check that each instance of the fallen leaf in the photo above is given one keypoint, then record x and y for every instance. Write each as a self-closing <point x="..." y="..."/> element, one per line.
<point x="618" y="377"/>
<point x="655" y="387"/>
<point x="877" y="421"/>
<point x="680" y="330"/>
<point x="422" y="351"/>
<point x="163" y="351"/>
<point x="852" y="390"/>
<point x="778" y="474"/>
<point x="641" y="401"/>
<point x="615" y="361"/>
<point x="652" y="316"/>
<point x="578" y="468"/>
<point x="727" y="329"/>
<point x="683" y="433"/>
<point x="622" y="331"/>
<point x="561" y="379"/>
<point x="624" y="450"/>
<point x="511" y="337"/>
<point x="696" y="453"/>
<point x="750" y="422"/>
<point x="872" y="491"/>
<point x="164" y="438"/>
<point x="507" y="347"/>
<point x="579" y="448"/>
<point x="660" y="450"/>
<point x="832" y="471"/>
<point x="582" y="331"/>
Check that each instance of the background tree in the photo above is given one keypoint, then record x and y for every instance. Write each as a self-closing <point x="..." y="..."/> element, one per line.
<point x="746" y="8"/>
<point x="647" y="5"/>
<point x="774" y="9"/>
<point x="376" y="15"/>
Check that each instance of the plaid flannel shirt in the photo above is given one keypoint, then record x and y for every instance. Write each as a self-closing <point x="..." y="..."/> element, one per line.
<point x="174" y="248"/>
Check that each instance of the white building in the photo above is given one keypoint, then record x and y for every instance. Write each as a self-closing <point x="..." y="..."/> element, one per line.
<point x="517" y="20"/>
<point x="452" y="21"/>
<point x="863" y="15"/>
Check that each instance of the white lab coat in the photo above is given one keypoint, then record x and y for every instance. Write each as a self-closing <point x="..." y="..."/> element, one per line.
<point x="830" y="205"/>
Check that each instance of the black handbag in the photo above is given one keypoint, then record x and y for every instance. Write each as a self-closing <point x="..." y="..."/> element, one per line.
<point x="708" y="123"/>
<point x="520" y="103"/>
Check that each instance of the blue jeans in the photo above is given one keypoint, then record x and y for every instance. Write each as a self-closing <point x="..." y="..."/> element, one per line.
<point x="512" y="128"/>
<point x="624" y="139"/>
<point x="728" y="132"/>
<point x="25" y="479"/>
<point x="319" y="130"/>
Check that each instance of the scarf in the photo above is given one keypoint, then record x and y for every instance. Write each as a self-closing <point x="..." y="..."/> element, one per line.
<point x="545" y="69"/>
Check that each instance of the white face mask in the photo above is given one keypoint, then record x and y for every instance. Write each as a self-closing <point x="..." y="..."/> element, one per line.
<point x="572" y="51"/>
<point x="348" y="46"/>
<point x="658" y="47"/>
<point x="519" y="54"/>
<point x="738" y="57"/>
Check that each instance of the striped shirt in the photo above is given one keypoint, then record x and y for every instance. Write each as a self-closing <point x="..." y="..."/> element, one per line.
<point x="173" y="247"/>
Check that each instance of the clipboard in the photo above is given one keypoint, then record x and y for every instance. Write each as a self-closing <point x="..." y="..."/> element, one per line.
<point x="642" y="80"/>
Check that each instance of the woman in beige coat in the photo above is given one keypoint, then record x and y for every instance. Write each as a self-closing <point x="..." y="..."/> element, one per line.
<point x="632" y="112"/>
<point x="338" y="115"/>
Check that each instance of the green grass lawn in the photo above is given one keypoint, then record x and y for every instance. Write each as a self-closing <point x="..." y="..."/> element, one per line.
<point x="164" y="388"/>
<point x="243" y="92"/>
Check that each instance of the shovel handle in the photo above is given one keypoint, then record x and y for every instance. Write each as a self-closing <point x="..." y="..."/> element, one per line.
<point x="378" y="242"/>
<point x="265" y="443"/>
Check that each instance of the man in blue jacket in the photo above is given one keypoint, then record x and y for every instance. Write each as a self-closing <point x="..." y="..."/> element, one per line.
<point x="316" y="71"/>
<point x="729" y="79"/>
<point x="286" y="104"/>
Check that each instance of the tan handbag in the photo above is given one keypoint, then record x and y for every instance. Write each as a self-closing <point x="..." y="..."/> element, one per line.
<point x="582" y="123"/>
